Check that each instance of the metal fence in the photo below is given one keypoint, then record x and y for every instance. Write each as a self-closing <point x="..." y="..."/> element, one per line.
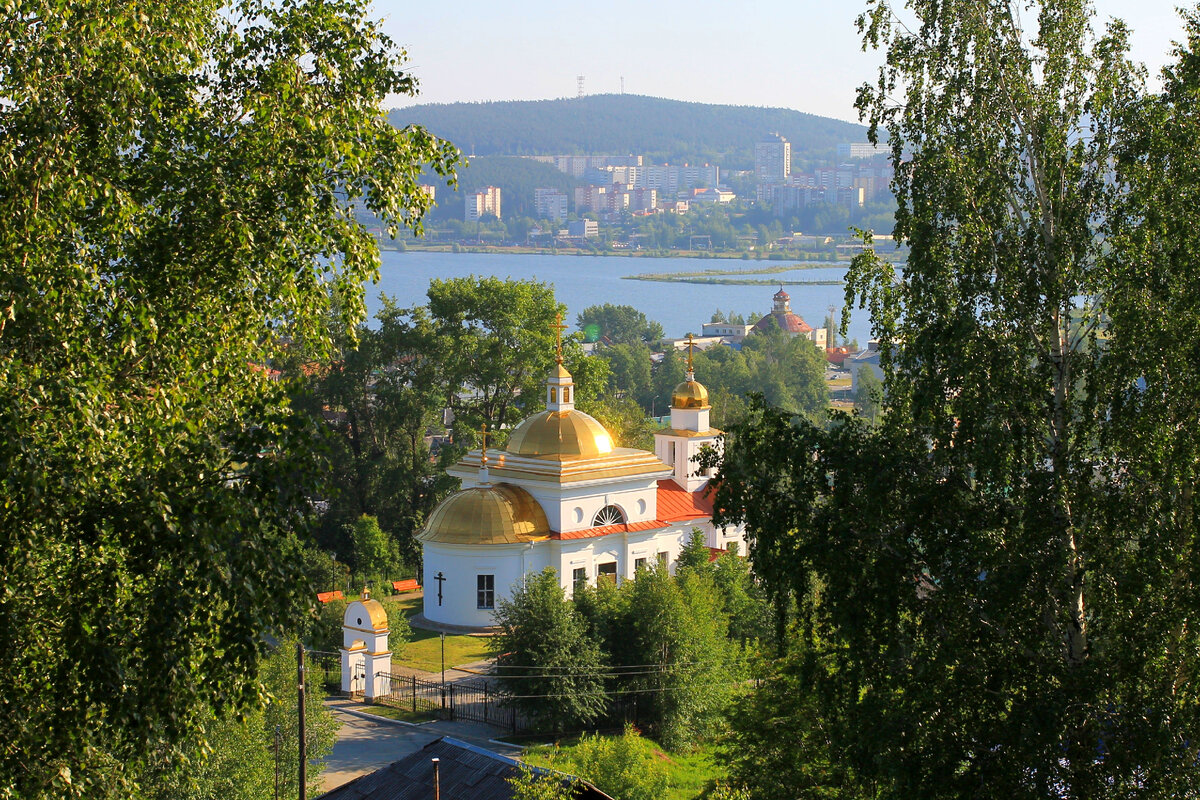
<point x="469" y="700"/>
<point x="330" y="667"/>
<point x="481" y="701"/>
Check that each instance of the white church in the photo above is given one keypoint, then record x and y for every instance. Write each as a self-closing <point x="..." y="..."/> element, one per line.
<point x="562" y="495"/>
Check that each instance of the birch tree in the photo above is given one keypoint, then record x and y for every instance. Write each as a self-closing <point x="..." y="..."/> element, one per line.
<point x="997" y="584"/>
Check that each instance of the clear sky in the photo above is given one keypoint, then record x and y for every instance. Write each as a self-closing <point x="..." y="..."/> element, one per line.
<point x="801" y="54"/>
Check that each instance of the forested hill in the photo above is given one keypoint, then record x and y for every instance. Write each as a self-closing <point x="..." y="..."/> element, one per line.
<point x="614" y="124"/>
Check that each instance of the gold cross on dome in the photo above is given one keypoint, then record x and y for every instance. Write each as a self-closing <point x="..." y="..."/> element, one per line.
<point x="559" y="327"/>
<point x="483" y="451"/>
<point x="691" y="345"/>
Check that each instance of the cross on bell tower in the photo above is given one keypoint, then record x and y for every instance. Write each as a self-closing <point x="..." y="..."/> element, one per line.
<point x="559" y="384"/>
<point x="483" y="459"/>
<point x="559" y="327"/>
<point x="691" y="346"/>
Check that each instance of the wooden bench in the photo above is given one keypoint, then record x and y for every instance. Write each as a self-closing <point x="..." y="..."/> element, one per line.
<point x="325" y="597"/>
<point x="409" y="585"/>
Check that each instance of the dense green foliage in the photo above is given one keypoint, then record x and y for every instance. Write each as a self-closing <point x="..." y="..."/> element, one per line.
<point x="868" y="395"/>
<point x="499" y="339"/>
<point x="233" y="758"/>
<point x="376" y="398"/>
<point x="664" y="649"/>
<point x="663" y="130"/>
<point x="377" y="558"/>
<point x="481" y="348"/>
<point x="622" y="766"/>
<point x="173" y="209"/>
<point x="995" y="585"/>
<point x="788" y="371"/>
<point x="679" y="626"/>
<point x="668" y="644"/>
<point x="530" y="784"/>
<point x="545" y="659"/>
<point x="614" y="324"/>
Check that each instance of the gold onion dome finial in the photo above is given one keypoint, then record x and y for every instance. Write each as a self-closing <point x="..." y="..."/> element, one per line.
<point x="691" y="393"/>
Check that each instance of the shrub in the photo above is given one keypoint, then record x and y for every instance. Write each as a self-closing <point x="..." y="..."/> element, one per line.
<point x="624" y="766"/>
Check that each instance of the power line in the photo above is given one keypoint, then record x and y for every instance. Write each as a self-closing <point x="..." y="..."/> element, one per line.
<point x="615" y="667"/>
<point x="565" y="675"/>
<point x="632" y="691"/>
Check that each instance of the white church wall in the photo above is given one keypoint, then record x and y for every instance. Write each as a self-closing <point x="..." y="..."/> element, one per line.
<point x="462" y="567"/>
<point x="574" y="508"/>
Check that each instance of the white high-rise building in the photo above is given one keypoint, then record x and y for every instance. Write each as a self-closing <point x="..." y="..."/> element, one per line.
<point x="773" y="159"/>
<point x="485" y="201"/>
<point x="550" y="204"/>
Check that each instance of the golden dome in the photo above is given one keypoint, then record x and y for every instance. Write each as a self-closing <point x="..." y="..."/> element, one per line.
<point x="560" y="372"/>
<point x="689" y="394"/>
<point x="560" y="433"/>
<point x="376" y="617"/>
<point x="499" y="514"/>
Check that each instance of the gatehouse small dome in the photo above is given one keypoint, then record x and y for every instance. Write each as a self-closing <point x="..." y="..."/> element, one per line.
<point x="365" y="614"/>
<point x="499" y="514"/>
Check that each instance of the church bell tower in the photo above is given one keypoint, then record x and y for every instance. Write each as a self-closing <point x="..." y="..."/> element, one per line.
<point x="689" y="430"/>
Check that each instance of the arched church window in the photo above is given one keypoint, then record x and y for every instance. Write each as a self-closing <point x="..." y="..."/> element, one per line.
<point x="609" y="515"/>
<point x="566" y="394"/>
<point x="553" y="395"/>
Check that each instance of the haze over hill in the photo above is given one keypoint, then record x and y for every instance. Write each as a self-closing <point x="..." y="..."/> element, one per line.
<point x="664" y="130"/>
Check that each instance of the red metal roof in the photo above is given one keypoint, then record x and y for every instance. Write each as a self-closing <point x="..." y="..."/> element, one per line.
<point x="676" y="505"/>
<point x="605" y="530"/>
<point x="789" y="323"/>
<point x="837" y="355"/>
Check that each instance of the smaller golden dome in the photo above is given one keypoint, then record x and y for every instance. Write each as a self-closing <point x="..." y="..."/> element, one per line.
<point x="690" y="394"/>
<point x="560" y="372"/>
<point x="375" y="617"/>
<point x="560" y="433"/>
<point x="499" y="514"/>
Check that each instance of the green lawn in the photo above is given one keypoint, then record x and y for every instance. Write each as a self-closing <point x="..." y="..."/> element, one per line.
<point x="689" y="773"/>
<point x="424" y="650"/>
<point x="396" y="713"/>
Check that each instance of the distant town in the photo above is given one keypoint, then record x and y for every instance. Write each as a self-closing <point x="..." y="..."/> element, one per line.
<point x="625" y="203"/>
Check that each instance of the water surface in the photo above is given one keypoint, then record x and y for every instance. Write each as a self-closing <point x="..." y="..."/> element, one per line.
<point x="582" y="281"/>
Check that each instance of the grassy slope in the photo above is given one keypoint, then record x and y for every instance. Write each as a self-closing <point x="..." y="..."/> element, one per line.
<point x="424" y="652"/>
<point x="689" y="773"/>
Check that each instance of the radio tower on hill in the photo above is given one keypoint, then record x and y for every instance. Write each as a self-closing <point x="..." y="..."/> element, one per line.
<point x="579" y="81"/>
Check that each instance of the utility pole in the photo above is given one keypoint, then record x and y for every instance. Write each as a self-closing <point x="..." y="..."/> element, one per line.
<point x="300" y="696"/>
<point x="437" y="783"/>
<point x="579" y="81"/>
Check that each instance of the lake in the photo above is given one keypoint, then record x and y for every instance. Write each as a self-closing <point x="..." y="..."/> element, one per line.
<point x="582" y="281"/>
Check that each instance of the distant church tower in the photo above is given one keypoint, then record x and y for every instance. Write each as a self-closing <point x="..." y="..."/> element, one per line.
<point x="689" y="431"/>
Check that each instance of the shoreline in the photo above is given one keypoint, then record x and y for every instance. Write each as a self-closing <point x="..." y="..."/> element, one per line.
<point x="699" y="255"/>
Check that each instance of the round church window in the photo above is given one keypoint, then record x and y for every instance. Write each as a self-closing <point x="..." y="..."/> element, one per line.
<point x="360" y="620"/>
